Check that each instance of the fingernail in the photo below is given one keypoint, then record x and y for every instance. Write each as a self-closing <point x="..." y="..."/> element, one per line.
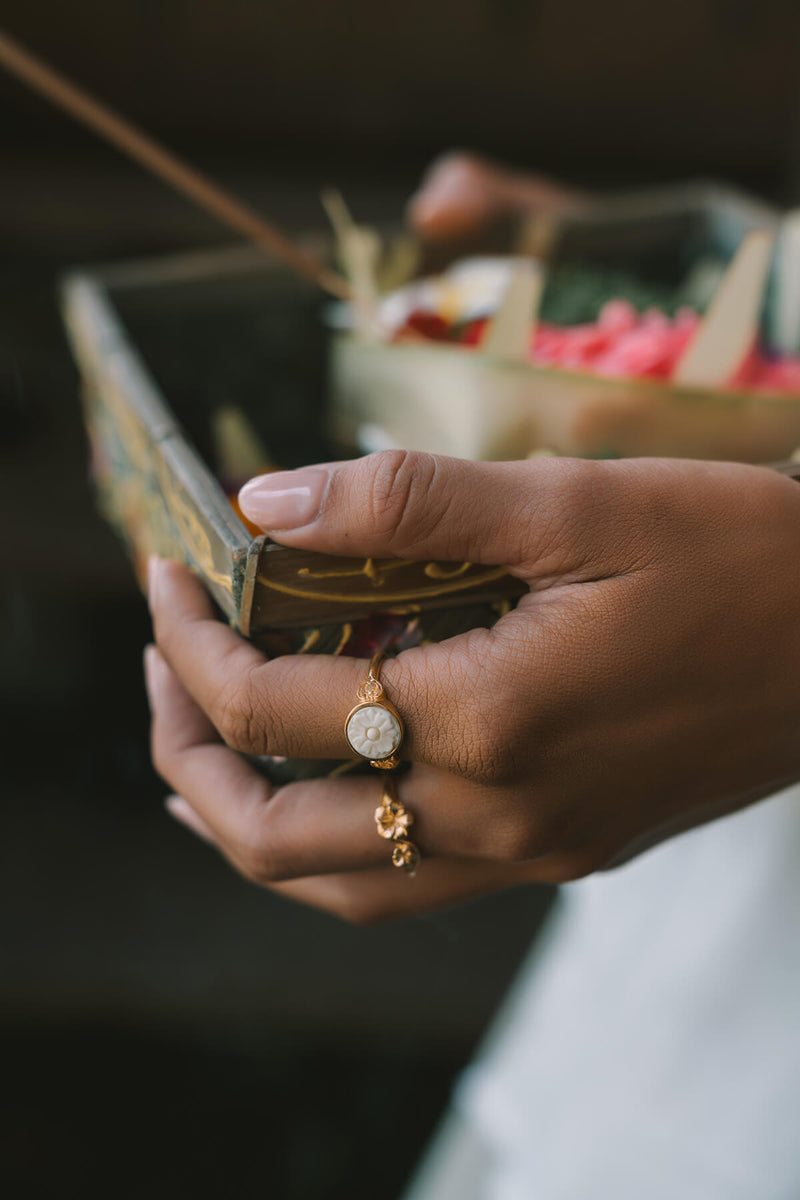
<point x="285" y="499"/>
<point x="153" y="564"/>
<point x="179" y="810"/>
<point x="150" y="668"/>
<point x="183" y="812"/>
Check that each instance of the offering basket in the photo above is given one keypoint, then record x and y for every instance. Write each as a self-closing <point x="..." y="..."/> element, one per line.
<point x="164" y="346"/>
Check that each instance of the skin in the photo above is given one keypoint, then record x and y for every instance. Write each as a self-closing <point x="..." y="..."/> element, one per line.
<point x="646" y="684"/>
<point x="460" y="193"/>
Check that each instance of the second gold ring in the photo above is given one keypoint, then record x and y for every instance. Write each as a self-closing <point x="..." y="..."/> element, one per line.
<point x="392" y="819"/>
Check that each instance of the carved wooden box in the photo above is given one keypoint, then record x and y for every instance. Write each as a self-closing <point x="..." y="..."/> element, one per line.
<point x="162" y="347"/>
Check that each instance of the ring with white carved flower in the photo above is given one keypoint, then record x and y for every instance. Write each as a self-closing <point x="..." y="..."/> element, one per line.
<point x="374" y="728"/>
<point x="392" y="820"/>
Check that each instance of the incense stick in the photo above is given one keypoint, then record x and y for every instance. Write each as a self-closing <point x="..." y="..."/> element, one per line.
<point x="163" y="163"/>
<point x="359" y="251"/>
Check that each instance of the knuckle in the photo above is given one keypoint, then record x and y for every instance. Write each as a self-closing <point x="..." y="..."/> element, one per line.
<point x="163" y="752"/>
<point x="261" y="850"/>
<point x="162" y="760"/>
<point x="578" y="502"/>
<point x="257" y="864"/>
<point x="276" y="851"/>
<point x="239" y="719"/>
<point x="491" y="730"/>
<point x="398" y="483"/>
<point x="235" y="722"/>
<point x="583" y="488"/>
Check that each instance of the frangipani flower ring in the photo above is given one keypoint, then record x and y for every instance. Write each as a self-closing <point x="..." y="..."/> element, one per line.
<point x="374" y="728"/>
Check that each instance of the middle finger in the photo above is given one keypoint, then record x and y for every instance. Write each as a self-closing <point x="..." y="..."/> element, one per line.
<point x="296" y="705"/>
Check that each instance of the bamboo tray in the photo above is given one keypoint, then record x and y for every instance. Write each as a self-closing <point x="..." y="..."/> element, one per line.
<point x="442" y="398"/>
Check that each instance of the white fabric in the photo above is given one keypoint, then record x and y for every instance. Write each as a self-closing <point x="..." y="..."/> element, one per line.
<point x="651" y="1050"/>
<point x="455" y="1166"/>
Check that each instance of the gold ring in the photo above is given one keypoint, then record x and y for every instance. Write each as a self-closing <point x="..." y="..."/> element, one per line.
<point x="392" y="819"/>
<point x="374" y="728"/>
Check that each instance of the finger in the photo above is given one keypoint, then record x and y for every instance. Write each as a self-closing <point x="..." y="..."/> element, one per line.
<point x="539" y="519"/>
<point x="315" y="826"/>
<point x="182" y="811"/>
<point x="303" y="828"/>
<point x="188" y="724"/>
<point x="462" y="192"/>
<point x="309" y="828"/>
<point x="292" y="706"/>
<point x="223" y="790"/>
<point x="459" y="194"/>
<point x="383" y="894"/>
<point x="296" y="705"/>
<point x="175" y="595"/>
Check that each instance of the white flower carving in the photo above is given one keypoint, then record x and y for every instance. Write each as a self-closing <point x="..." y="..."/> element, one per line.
<point x="373" y="732"/>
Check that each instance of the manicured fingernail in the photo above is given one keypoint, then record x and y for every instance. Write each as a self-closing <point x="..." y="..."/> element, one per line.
<point x="153" y="564"/>
<point x="285" y="499"/>
<point x="178" y="808"/>
<point x="151" y="659"/>
<point x="183" y="812"/>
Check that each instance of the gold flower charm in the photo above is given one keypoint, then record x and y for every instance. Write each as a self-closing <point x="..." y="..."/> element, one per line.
<point x="406" y="855"/>
<point x="392" y="819"/>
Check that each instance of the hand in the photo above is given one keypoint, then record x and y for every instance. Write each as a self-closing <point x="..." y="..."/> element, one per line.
<point x="462" y="193"/>
<point x="647" y="683"/>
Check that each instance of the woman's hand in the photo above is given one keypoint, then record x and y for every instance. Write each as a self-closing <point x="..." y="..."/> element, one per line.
<point x="647" y="683"/>
<point x="461" y="193"/>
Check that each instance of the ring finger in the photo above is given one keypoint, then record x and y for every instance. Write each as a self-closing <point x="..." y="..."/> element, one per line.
<point x="296" y="705"/>
<point x="306" y="828"/>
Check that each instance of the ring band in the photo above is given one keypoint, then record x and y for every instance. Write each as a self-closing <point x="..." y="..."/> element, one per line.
<point x="392" y="819"/>
<point x="374" y="728"/>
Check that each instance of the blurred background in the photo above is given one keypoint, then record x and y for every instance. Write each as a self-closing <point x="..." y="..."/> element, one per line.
<point x="166" y="1029"/>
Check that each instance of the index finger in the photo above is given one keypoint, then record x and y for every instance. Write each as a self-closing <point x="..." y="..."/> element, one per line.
<point x="296" y="705"/>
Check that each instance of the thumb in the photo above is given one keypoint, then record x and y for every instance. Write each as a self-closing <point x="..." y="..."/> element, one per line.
<point x="531" y="517"/>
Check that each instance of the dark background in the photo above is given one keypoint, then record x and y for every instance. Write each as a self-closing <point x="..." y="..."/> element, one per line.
<point x="166" y="1029"/>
